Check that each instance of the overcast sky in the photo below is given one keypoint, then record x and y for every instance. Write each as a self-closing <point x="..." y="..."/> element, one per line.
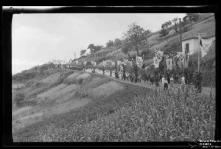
<point x="39" y="38"/>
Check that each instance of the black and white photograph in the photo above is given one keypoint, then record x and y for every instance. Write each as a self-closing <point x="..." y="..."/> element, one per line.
<point x="113" y="77"/>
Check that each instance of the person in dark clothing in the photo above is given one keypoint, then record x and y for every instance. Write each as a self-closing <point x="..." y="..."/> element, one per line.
<point x="136" y="73"/>
<point x="168" y="78"/>
<point x="135" y="69"/>
<point x="199" y="82"/>
<point x="165" y="83"/>
<point x="93" y="70"/>
<point x="148" y="78"/>
<point x="116" y="74"/>
<point x="131" y="77"/>
<point x="156" y="80"/>
<point x="151" y="80"/>
<point x="124" y="72"/>
<point x="103" y="70"/>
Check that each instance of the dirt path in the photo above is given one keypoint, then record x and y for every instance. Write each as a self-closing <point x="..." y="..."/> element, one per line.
<point x="205" y="90"/>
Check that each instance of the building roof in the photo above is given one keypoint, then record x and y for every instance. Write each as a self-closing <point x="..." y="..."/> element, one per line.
<point x="195" y="37"/>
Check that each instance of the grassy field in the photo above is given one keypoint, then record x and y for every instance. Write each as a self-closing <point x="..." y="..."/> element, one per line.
<point x="131" y="114"/>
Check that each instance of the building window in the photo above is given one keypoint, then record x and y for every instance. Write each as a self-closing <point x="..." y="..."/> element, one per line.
<point x="187" y="48"/>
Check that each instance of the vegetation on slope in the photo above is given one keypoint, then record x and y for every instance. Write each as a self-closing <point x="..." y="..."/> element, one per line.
<point x="133" y="114"/>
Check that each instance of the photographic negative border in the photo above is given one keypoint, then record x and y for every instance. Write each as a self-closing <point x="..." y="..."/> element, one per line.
<point x="7" y="16"/>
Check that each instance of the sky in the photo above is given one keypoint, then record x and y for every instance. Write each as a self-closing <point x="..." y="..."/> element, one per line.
<point x="40" y="38"/>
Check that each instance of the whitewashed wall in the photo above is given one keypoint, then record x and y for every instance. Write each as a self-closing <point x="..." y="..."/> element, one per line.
<point x="193" y="44"/>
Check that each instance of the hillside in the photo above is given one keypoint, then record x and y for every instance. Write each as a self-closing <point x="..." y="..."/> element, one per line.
<point x="51" y="104"/>
<point x="79" y="106"/>
<point x="171" y="43"/>
<point x="204" y="25"/>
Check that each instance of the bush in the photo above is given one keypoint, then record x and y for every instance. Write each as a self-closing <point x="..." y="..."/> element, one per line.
<point x="153" y="116"/>
<point x="81" y="92"/>
<point x="80" y="81"/>
<point x="163" y="32"/>
<point x="19" y="99"/>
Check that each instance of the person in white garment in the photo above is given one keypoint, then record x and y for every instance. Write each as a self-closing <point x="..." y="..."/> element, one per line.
<point x="164" y="83"/>
<point x="182" y="83"/>
<point x="171" y="81"/>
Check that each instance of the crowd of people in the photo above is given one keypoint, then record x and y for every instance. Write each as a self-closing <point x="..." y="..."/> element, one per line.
<point x="156" y="77"/>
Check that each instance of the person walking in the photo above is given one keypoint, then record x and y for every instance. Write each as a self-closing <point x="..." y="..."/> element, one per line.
<point x="195" y="80"/>
<point x="182" y="82"/>
<point x="168" y="78"/>
<point x="110" y="72"/>
<point x="136" y="72"/>
<point x="199" y="82"/>
<point x="103" y="70"/>
<point x="124" y="73"/>
<point x="116" y="74"/>
<point x="164" y="83"/>
<point x="156" y="79"/>
<point x="171" y="81"/>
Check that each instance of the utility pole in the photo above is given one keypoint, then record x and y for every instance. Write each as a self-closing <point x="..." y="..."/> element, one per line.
<point x="181" y="40"/>
<point x="199" y="50"/>
<point x="180" y="34"/>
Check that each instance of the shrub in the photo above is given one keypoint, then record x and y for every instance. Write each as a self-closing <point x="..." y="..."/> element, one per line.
<point x="163" y="32"/>
<point x="80" y="81"/>
<point x="19" y="99"/>
<point x="134" y="114"/>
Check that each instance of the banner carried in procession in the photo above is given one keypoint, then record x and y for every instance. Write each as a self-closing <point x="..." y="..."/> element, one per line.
<point x="85" y="62"/>
<point x="204" y="45"/>
<point x="102" y="63"/>
<point x="180" y="56"/>
<point x="125" y="61"/>
<point x="157" y="58"/>
<point x="121" y="68"/>
<point x="159" y="55"/>
<point x="119" y="63"/>
<point x="156" y="62"/>
<point x="139" y="61"/>
<point x="129" y="66"/>
<point x="182" y="60"/>
<point x="93" y="63"/>
<point x="169" y="63"/>
<point x="130" y="63"/>
<point x="108" y="63"/>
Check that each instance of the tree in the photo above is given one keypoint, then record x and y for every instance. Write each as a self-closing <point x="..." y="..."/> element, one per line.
<point x="110" y="43"/>
<point x="97" y="48"/>
<point x="175" y="22"/>
<point x="117" y="42"/>
<point x="126" y="46"/>
<point x="163" y="26"/>
<point x="164" y="30"/>
<point x="166" y="25"/>
<point x="82" y="52"/>
<point x="169" y="23"/>
<point x="94" y="48"/>
<point x="146" y="33"/>
<point x="134" y="36"/>
<point x="91" y="47"/>
<point x="19" y="98"/>
<point x="193" y="16"/>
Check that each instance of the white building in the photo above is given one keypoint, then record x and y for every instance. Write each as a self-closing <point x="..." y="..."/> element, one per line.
<point x="191" y="44"/>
